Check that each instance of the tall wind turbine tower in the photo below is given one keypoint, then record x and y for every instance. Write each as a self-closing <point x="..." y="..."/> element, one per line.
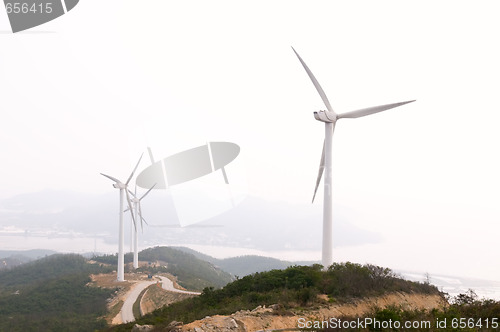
<point x="329" y="117"/>
<point x="138" y="214"/>
<point x="123" y="189"/>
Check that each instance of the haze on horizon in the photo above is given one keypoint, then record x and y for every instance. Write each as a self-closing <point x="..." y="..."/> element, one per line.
<point x="89" y="98"/>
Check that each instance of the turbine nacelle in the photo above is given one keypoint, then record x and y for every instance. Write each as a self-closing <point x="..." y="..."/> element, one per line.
<point x="325" y="116"/>
<point x="119" y="185"/>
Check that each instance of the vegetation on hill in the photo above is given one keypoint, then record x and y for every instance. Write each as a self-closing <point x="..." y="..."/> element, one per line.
<point x="293" y="287"/>
<point x="51" y="294"/>
<point x="192" y="273"/>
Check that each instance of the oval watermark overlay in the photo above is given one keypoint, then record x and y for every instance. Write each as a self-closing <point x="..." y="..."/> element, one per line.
<point x="26" y="14"/>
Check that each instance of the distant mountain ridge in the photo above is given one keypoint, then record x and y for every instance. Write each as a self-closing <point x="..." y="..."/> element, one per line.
<point x="241" y="266"/>
<point x="254" y="223"/>
<point x="31" y="254"/>
<point x="12" y="258"/>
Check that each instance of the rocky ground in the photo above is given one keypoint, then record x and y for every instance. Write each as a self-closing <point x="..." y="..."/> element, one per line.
<point x="275" y="318"/>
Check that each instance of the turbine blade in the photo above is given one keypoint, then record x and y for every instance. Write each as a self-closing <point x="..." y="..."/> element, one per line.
<point x="140" y="215"/>
<point x="111" y="178"/>
<point x="131" y="193"/>
<point x="315" y="82"/>
<point x="132" y="174"/>
<point x="151" y="155"/>
<point x="147" y="192"/>
<point x="224" y="175"/>
<point x="130" y="207"/>
<point x="320" y="171"/>
<point x="371" y="110"/>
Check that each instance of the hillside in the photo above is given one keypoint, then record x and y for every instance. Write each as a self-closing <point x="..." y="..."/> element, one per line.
<point x="51" y="294"/>
<point x="191" y="272"/>
<point x="294" y="288"/>
<point x="13" y="258"/>
<point x="66" y="292"/>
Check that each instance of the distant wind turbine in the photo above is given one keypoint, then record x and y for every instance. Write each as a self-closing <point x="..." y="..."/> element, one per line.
<point x="138" y="214"/>
<point x="123" y="189"/>
<point x="329" y="117"/>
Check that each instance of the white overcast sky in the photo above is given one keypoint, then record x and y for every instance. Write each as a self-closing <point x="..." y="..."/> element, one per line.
<point x="89" y="91"/>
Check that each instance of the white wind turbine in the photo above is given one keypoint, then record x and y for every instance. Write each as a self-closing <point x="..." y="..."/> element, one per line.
<point x="123" y="189"/>
<point x="329" y="117"/>
<point x="138" y="213"/>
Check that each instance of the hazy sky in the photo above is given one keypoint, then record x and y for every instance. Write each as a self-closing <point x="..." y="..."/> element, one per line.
<point x="89" y="91"/>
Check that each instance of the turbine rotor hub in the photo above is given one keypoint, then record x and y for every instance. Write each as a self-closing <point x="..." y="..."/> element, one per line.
<point x="325" y="116"/>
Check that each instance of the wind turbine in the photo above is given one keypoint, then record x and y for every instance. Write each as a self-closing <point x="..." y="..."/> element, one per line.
<point x="123" y="189"/>
<point x="329" y="117"/>
<point x="138" y="213"/>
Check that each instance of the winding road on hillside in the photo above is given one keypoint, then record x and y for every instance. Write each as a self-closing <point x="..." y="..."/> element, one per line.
<point x="127" y="312"/>
<point x="167" y="284"/>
